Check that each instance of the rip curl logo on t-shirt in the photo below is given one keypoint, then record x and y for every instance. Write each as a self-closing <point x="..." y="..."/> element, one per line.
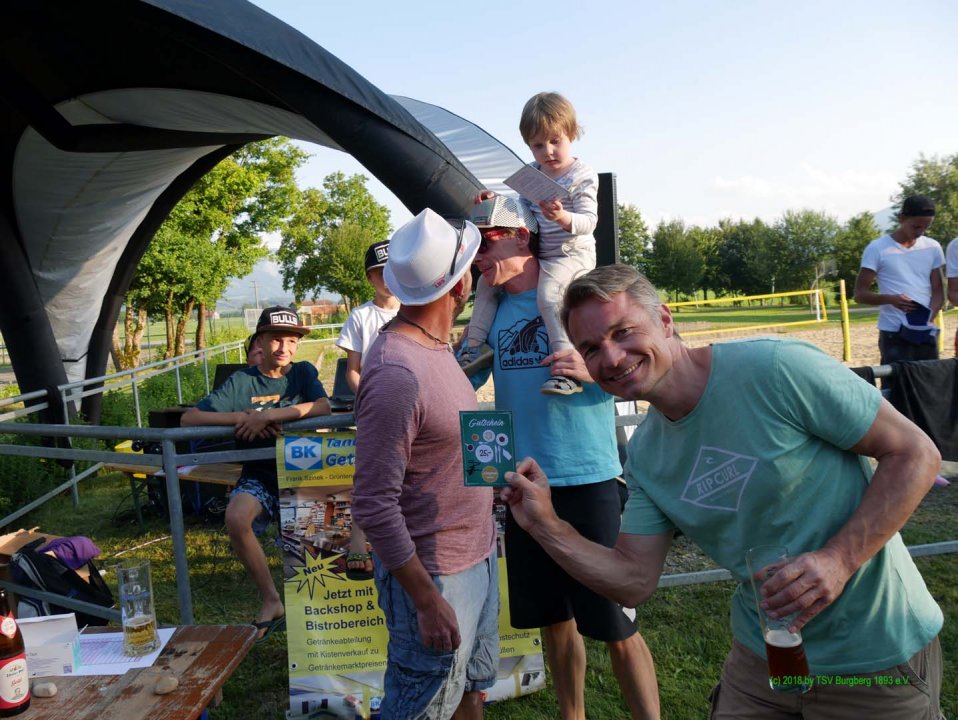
<point x="523" y="345"/>
<point x="718" y="479"/>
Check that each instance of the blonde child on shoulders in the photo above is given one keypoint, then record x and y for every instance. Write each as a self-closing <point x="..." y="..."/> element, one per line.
<point x="566" y="244"/>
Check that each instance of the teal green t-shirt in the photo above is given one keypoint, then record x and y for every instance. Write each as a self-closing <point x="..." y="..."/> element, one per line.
<point x="763" y="459"/>
<point x="249" y="389"/>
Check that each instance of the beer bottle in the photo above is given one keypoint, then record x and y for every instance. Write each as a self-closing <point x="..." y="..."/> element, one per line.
<point x="14" y="679"/>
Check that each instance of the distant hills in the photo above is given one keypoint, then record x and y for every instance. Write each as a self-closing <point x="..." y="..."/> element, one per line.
<point x="268" y="287"/>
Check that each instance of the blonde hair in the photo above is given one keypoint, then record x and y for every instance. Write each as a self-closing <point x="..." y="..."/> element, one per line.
<point x="547" y="112"/>
<point x="605" y="281"/>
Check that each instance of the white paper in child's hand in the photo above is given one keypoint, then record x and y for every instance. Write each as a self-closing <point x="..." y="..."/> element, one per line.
<point x="535" y="185"/>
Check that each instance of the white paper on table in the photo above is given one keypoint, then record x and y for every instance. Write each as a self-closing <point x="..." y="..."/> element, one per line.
<point x="535" y="185"/>
<point x="102" y="653"/>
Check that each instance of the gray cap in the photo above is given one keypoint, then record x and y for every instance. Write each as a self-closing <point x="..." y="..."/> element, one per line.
<point x="503" y="211"/>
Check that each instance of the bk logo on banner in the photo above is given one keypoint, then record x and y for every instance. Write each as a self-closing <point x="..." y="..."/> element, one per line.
<point x="304" y="453"/>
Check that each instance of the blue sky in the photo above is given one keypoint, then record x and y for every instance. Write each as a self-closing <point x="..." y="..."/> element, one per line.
<point x="703" y="110"/>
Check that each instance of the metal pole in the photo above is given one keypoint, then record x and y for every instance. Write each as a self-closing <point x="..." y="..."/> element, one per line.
<point x="940" y="320"/>
<point x="74" y="493"/>
<point x="178" y="532"/>
<point x="206" y="371"/>
<point x="136" y="400"/>
<point x="179" y="384"/>
<point x="846" y="330"/>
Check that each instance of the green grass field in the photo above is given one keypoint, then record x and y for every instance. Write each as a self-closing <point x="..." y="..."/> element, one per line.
<point x="686" y="628"/>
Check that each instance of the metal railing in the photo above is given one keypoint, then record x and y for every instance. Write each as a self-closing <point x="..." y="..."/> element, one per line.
<point x="72" y="393"/>
<point x="169" y="459"/>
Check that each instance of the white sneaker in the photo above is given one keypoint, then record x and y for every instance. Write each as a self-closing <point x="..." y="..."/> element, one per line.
<point x="560" y="385"/>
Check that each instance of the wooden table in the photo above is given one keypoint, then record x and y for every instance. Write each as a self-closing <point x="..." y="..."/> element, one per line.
<point x="202" y="657"/>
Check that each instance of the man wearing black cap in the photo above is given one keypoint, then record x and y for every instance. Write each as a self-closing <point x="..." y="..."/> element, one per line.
<point x="907" y="265"/>
<point x="363" y="324"/>
<point x="256" y="402"/>
<point x="360" y="329"/>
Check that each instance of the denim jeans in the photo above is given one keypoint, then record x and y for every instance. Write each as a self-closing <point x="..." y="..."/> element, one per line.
<point x="425" y="683"/>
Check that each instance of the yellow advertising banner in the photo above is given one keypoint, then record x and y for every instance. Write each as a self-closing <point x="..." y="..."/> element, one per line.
<point x="336" y="633"/>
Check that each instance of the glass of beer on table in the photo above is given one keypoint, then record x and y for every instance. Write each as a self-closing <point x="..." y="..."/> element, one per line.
<point x="787" y="665"/>
<point x="136" y="607"/>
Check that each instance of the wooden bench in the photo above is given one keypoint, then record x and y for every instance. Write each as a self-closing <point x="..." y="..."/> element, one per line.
<point x="226" y="474"/>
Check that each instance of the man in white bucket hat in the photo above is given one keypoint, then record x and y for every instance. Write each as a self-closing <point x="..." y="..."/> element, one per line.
<point x="433" y="538"/>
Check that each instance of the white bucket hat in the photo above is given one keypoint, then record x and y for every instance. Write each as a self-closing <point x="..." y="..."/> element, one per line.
<point x="421" y="266"/>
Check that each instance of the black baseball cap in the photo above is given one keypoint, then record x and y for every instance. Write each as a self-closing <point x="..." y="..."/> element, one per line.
<point x="280" y="319"/>
<point x="918" y="206"/>
<point x="376" y="255"/>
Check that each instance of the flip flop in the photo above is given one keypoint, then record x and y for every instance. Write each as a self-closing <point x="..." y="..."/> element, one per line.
<point x="277" y="624"/>
<point x="358" y="573"/>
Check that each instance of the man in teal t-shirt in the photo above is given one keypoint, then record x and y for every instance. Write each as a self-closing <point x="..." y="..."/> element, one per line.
<point x="761" y="442"/>
<point x="256" y="402"/>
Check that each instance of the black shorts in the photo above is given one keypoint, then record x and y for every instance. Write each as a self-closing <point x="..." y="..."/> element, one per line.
<point x="541" y="593"/>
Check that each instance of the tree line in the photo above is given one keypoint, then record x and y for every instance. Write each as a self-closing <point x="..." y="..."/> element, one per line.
<point x="797" y="251"/>
<point x="216" y="233"/>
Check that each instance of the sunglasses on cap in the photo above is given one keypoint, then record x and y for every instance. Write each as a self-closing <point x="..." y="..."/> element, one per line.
<point x="460" y="226"/>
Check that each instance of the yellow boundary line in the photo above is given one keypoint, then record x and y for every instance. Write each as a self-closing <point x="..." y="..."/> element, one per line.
<point x="793" y="293"/>
<point x="742" y="328"/>
<point x="751" y="327"/>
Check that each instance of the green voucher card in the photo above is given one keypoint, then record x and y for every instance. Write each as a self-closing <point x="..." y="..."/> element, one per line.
<point x="488" y="447"/>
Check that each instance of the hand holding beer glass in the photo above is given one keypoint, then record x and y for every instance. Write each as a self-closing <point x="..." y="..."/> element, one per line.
<point x="787" y="665"/>
<point x="136" y="608"/>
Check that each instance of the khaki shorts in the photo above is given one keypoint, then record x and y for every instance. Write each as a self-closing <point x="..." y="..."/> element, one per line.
<point x="910" y="690"/>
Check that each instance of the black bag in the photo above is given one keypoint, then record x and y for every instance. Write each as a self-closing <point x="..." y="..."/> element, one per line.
<point x="48" y="573"/>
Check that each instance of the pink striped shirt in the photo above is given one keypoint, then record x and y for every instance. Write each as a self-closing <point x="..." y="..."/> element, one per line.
<point x="408" y="493"/>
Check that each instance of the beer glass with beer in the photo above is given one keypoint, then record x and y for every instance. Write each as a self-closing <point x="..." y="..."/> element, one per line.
<point x="787" y="665"/>
<point x="136" y="607"/>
